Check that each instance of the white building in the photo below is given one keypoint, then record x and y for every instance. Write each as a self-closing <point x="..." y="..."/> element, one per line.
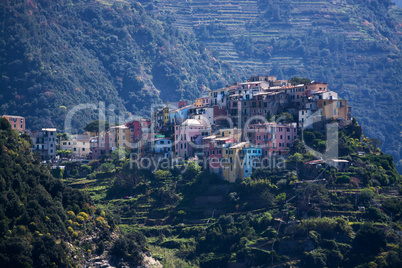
<point x="161" y="147"/>
<point x="45" y="143"/>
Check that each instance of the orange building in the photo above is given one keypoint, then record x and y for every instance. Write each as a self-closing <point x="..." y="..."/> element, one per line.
<point x="198" y="103"/>
<point x="333" y="109"/>
<point x="17" y="122"/>
<point x="316" y="86"/>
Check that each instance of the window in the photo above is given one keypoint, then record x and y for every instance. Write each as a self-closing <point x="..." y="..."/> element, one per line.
<point x="83" y="149"/>
<point x="281" y="137"/>
<point x="288" y="137"/>
<point x="288" y="129"/>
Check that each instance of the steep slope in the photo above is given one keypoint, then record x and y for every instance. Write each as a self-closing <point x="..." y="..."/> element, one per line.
<point x="353" y="45"/>
<point x="43" y="223"/>
<point x="57" y="54"/>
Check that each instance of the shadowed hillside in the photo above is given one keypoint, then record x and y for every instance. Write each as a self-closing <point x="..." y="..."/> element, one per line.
<point x="56" y="54"/>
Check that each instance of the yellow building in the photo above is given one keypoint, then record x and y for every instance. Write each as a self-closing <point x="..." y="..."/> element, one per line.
<point x="166" y="114"/>
<point x="232" y="133"/>
<point x="198" y="103"/>
<point x="122" y="136"/>
<point x="333" y="109"/>
<point x="233" y="161"/>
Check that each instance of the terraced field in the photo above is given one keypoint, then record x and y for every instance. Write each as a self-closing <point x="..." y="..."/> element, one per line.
<point x="236" y="17"/>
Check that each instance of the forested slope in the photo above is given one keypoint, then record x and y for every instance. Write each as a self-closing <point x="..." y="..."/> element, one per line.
<point x="43" y="223"/>
<point x="57" y="54"/>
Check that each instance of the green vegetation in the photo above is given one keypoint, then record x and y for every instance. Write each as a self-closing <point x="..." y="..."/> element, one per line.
<point x="43" y="222"/>
<point x="193" y="218"/>
<point x="97" y="125"/>
<point x="58" y="54"/>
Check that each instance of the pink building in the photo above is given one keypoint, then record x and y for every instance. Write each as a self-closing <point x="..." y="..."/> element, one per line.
<point x="273" y="138"/>
<point x="188" y="137"/>
<point x="102" y="145"/>
<point x="205" y="101"/>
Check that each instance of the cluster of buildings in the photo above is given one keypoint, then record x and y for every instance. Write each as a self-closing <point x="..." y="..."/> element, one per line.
<point x="231" y="128"/>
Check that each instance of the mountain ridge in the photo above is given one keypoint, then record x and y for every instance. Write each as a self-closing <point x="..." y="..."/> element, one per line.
<point x="60" y="54"/>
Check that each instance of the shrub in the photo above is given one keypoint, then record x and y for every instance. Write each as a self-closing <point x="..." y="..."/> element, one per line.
<point x="343" y="179"/>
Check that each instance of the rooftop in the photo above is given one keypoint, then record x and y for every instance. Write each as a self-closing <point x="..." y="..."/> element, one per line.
<point x="14" y="116"/>
<point x="239" y="145"/>
<point x="48" y="129"/>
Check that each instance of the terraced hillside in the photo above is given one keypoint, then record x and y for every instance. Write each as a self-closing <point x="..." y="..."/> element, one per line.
<point x="353" y="45"/>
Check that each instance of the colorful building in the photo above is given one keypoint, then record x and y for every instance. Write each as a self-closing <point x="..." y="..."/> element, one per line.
<point x="333" y="109"/>
<point x="233" y="161"/>
<point x="122" y="136"/>
<point x="252" y="160"/>
<point x="17" y="122"/>
<point x="45" y="143"/>
<point x="273" y="138"/>
<point x="102" y="145"/>
<point x="188" y="137"/>
<point x="160" y="147"/>
<point x="137" y="128"/>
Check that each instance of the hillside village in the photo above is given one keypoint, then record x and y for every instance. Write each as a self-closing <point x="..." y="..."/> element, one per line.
<point x="260" y="197"/>
<point x="233" y="130"/>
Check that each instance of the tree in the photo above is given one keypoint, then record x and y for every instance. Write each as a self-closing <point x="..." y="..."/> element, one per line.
<point x="4" y="124"/>
<point x="365" y="237"/>
<point x="96" y="126"/>
<point x="298" y="81"/>
<point x="284" y="118"/>
<point x="63" y="136"/>
<point x="129" y="247"/>
<point x="366" y="195"/>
